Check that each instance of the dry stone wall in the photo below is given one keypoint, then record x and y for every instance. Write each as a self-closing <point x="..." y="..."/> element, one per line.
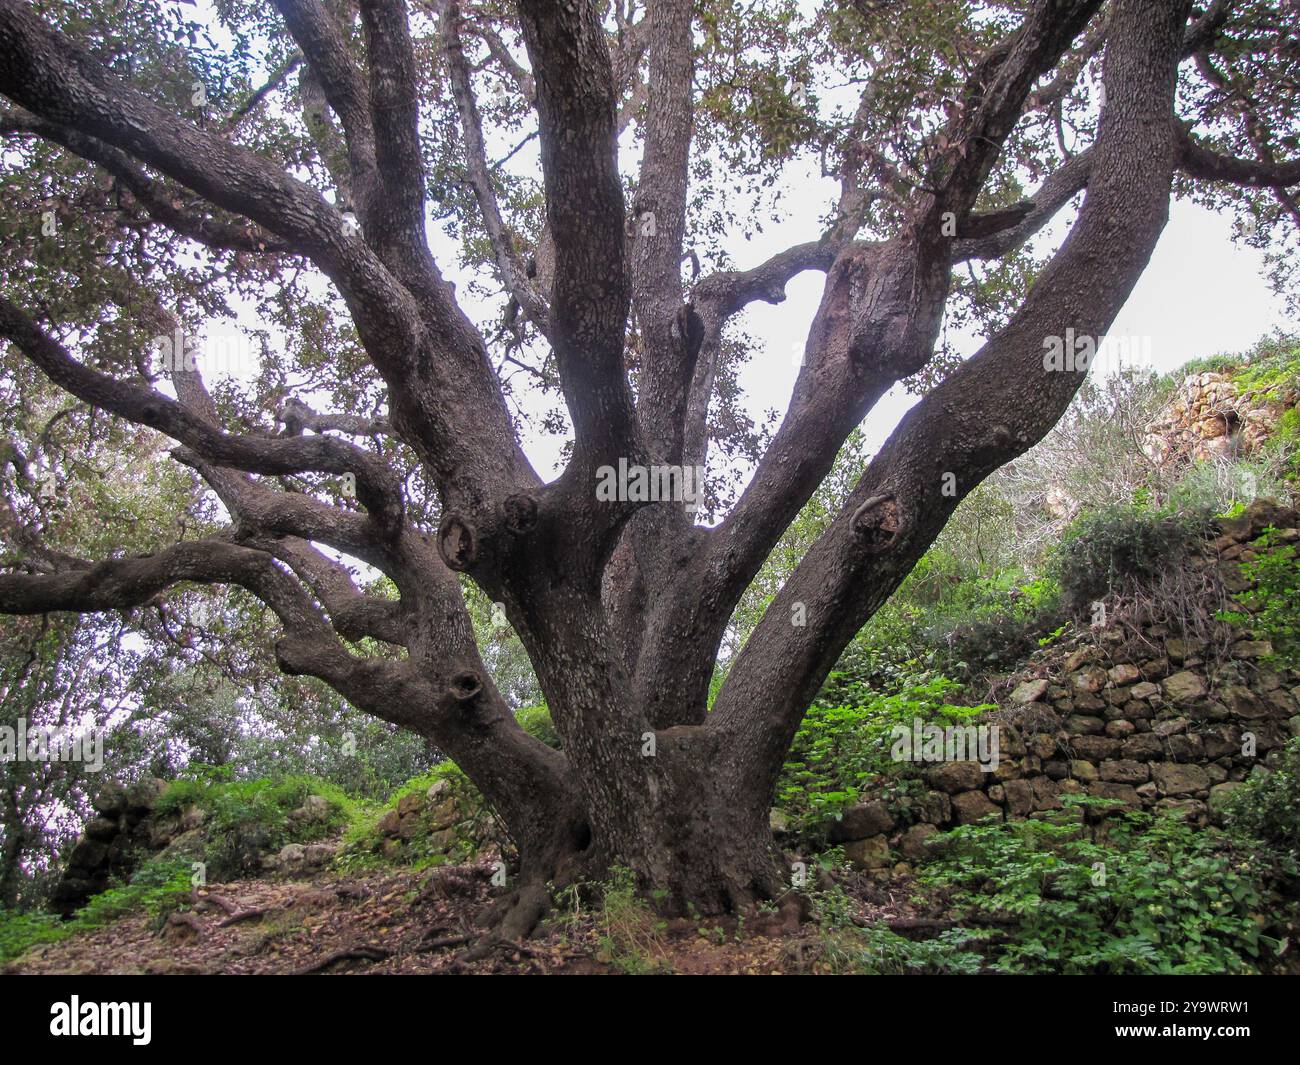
<point x="1158" y="720"/>
<point x="1212" y="418"/>
<point x="441" y="823"/>
<point x="111" y="844"/>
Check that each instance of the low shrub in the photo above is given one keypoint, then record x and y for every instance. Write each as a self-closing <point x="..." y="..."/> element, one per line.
<point x="1267" y="804"/>
<point x="838" y="750"/>
<point x="1138" y="894"/>
<point x="246" y="818"/>
<point x="158" y="888"/>
<point x="1274" y="362"/>
<point x="950" y="620"/>
<point x="1113" y="550"/>
<point x="20" y="931"/>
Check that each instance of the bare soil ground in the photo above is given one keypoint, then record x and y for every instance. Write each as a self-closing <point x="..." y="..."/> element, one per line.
<point x="421" y="922"/>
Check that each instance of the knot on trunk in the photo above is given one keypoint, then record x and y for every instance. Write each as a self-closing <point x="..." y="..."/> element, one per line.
<point x="520" y="514"/>
<point x="457" y="542"/>
<point x="465" y="685"/>
<point x="688" y="330"/>
<point x="876" y="524"/>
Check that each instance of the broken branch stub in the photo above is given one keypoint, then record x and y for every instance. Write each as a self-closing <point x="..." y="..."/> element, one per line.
<point x="465" y="685"/>
<point x="876" y="524"/>
<point x="457" y="543"/>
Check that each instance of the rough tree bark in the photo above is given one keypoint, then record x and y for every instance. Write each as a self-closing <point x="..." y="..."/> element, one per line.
<point x="622" y="606"/>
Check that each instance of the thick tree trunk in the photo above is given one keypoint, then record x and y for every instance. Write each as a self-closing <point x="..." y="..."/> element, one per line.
<point x="696" y="837"/>
<point x="678" y="814"/>
<point x="694" y="855"/>
<point x="693" y="847"/>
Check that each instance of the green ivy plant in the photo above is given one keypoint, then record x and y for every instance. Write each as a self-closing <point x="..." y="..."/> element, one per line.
<point x="1138" y="895"/>
<point x="1270" y="604"/>
<point x="1267" y="804"/>
<point x="159" y="888"/>
<point x="839" y="750"/>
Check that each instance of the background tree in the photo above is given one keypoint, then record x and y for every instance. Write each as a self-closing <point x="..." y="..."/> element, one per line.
<point x="56" y="673"/>
<point x="373" y="459"/>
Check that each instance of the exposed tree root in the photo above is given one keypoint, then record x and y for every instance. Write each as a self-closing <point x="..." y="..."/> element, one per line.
<point x="213" y="899"/>
<point x="429" y="944"/>
<point x="515" y="916"/>
<point x="245" y="915"/>
<point x="358" y="953"/>
<point x="510" y="919"/>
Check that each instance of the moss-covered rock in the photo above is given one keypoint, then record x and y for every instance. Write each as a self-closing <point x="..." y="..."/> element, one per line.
<point x="434" y="819"/>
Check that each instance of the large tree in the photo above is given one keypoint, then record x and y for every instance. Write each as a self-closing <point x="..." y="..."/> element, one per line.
<point x="379" y="120"/>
